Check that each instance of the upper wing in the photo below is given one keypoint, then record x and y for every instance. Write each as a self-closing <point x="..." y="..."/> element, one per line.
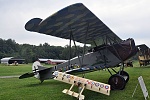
<point x="142" y="47"/>
<point x="75" y="19"/>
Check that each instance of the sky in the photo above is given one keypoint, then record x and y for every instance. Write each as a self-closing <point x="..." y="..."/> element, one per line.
<point x="126" y="18"/>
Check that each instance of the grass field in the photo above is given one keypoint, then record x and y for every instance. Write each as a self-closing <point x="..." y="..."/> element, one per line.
<point x="31" y="89"/>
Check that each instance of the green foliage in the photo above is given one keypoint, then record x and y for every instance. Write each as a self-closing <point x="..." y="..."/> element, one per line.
<point x="31" y="52"/>
<point x="8" y="47"/>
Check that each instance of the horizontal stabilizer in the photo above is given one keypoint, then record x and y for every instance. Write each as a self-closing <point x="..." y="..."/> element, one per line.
<point x="46" y="74"/>
<point x="26" y="75"/>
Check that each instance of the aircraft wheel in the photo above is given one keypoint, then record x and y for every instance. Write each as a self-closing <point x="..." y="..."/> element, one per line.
<point x="117" y="82"/>
<point x="125" y="75"/>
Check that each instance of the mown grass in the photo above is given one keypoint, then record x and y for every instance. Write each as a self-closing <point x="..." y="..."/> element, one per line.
<point x="16" y="70"/>
<point x="31" y="89"/>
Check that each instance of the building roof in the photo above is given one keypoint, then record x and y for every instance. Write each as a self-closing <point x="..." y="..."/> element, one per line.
<point x="42" y="59"/>
<point x="52" y="60"/>
<point x="6" y="58"/>
<point x="57" y="60"/>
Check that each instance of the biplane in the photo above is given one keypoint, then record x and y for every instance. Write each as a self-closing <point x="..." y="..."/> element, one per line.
<point x="143" y="54"/>
<point x="78" y="24"/>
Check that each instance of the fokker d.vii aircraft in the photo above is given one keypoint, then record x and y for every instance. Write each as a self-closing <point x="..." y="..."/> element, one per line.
<point x="77" y="23"/>
<point x="143" y="54"/>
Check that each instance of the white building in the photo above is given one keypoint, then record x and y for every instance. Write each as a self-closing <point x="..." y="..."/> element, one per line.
<point x="5" y="60"/>
<point x="11" y="60"/>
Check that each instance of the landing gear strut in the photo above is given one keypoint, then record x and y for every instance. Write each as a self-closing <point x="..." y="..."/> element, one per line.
<point x="125" y="75"/>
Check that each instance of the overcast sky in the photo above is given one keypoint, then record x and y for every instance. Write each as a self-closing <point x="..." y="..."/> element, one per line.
<point x="126" y="18"/>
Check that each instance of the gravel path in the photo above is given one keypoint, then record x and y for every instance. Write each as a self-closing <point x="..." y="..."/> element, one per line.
<point x="13" y="76"/>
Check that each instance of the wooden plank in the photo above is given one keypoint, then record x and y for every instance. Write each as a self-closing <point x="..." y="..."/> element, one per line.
<point x="90" y="84"/>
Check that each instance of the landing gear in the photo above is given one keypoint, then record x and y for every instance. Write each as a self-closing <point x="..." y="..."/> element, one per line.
<point x="125" y="75"/>
<point x="117" y="82"/>
<point x="42" y="81"/>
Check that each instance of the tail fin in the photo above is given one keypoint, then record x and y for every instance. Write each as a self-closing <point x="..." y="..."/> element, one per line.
<point x="36" y="67"/>
<point x="40" y="72"/>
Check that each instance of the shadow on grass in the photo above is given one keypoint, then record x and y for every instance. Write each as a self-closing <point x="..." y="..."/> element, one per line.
<point x="45" y="83"/>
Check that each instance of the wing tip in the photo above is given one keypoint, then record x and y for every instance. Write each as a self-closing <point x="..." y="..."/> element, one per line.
<point x="33" y="24"/>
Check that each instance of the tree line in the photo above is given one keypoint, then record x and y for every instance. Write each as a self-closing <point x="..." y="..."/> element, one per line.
<point x="9" y="48"/>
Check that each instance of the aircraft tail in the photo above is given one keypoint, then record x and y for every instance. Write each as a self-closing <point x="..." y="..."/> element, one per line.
<point x="40" y="72"/>
<point x="35" y="71"/>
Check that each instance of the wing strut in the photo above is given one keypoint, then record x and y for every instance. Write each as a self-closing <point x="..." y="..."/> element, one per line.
<point x="121" y="67"/>
<point x="71" y="35"/>
<point x="95" y="43"/>
<point x="83" y="74"/>
<point x="69" y="51"/>
<point x="85" y="43"/>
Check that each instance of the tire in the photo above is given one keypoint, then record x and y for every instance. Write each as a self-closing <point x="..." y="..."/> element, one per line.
<point x="117" y="82"/>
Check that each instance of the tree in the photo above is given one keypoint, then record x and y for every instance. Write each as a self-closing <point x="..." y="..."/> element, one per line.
<point x="31" y="52"/>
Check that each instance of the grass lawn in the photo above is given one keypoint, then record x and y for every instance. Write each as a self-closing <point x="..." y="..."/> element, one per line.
<point x="31" y="89"/>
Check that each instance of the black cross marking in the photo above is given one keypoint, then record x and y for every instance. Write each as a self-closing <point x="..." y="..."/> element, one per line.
<point x="35" y="71"/>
